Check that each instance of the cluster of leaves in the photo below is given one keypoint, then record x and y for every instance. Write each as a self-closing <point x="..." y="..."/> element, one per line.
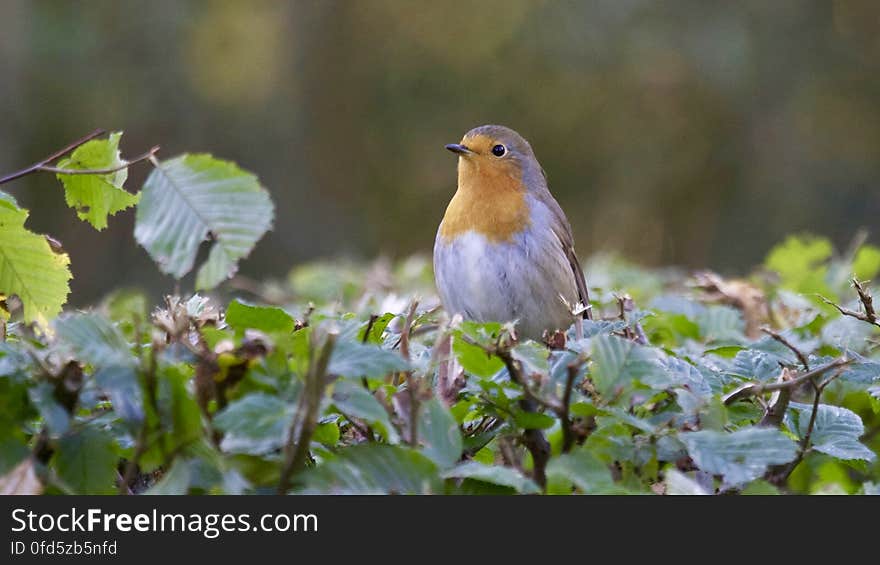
<point x="350" y="379"/>
<point x="184" y="202"/>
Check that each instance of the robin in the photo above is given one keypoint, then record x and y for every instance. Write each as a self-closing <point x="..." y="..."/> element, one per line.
<point x="504" y="250"/>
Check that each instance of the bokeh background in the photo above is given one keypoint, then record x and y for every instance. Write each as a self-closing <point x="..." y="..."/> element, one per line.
<point x="687" y="132"/>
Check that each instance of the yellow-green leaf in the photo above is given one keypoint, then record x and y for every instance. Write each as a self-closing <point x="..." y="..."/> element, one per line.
<point x="94" y="197"/>
<point x="28" y="266"/>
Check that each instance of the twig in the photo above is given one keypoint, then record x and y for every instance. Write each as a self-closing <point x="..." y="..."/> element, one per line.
<point x="60" y="153"/>
<point x="781" y="339"/>
<point x="774" y="412"/>
<point x="869" y="315"/>
<point x="564" y="417"/>
<point x="779" y="474"/>
<point x="138" y="159"/>
<point x="297" y="448"/>
<point x="533" y="439"/>
<point x="756" y="389"/>
<point x="410" y="381"/>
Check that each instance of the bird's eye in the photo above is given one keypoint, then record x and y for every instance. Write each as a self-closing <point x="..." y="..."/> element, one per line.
<point x="499" y="150"/>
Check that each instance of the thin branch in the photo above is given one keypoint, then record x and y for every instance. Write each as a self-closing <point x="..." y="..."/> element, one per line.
<point x="297" y="448"/>
<point x="144" y="157"/>
<point x="60" y="153"/>
<point x="781" y="339"/>
<point x="410" y="380"/>
<point x="564" y="417"/>
<point x="756" y="389"/>
<point x="869" y="315"/>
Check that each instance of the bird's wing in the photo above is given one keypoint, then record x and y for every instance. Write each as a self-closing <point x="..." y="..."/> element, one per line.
<point x="562" y="229"/>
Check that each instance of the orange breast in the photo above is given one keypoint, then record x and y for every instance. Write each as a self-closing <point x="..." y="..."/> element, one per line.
<point x="490" y="200"/>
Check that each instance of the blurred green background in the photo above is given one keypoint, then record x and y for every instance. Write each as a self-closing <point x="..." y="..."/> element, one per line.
<point x="678" y="132"/>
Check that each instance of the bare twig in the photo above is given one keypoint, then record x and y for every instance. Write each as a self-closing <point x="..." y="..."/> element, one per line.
<point x="781" y="339"/>
<point x="565" y="417"/>
<point x="301" y="429"/>
<point x="60" y="153"/>
<point x="410" y="380"/>
<point x="779" y="474"/>
<point x="756" y="389"/>
<point x="774" y="412"/>
<point x="869" y="315"/>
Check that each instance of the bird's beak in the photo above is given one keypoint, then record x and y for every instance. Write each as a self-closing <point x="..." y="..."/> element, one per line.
<point x="459" y="149"/>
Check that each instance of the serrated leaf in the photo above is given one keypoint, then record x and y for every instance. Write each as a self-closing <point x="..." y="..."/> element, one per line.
<point x="94" y="197"/>
<point x="618" y="362"/>
<point x="255" y="424"/>
<point x="354" y="360"/>
<point x="439" y="434"/>
<point x="94" y="340"/>
<point x="864" y="371"/>
<point x="374" y="469"/>
<point x="356" y="402"/>
<point x="836" y="431"/>
<point x="29" y="268"/>
<point x="195" y="198"/>
<point x="739" y="456"/>
<point x="269" y="319"/>
<point x="750" y="364"/>
<point x="496" y="475"/>
<point x="86" y="461"/>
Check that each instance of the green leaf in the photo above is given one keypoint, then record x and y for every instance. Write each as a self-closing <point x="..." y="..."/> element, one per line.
<point x="175" y="481"/>
<point x="374" y="469"/>
<point x="93" y="340"/>
<point x="677" y="483"/>
<point x="719" y="323"/>
<point x="86" y="461"/>
<point x="256" y="424"/>
<point x="94" y="197"/>
<point x="268" y="319"/>
<point x="534" y="358"/>
<point x="496" y="475"/>
<point x="741" y="456"/>
<point x="583" y="470"/>
<point x="866" y="263"/>
<point x="617" y="362"/>
<point x="121" y="384"/>
<point x="800" y="262"/>
<point x="836" y="431"/>
<point x="196" y="198"/>
<point x="53" y="413"/>
<point x="29" y="268"/>
<point x="353" y="360"/>
<point x="751" y="364"/>
<point x="533" y="420"/>
<point x="327" y="434"/>
<point x="355" y="401"/>
<point x="474" y="360"/>
<point x="439" y="434"/>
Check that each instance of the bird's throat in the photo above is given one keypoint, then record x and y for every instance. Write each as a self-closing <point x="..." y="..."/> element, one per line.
<point x="490" y="200"/>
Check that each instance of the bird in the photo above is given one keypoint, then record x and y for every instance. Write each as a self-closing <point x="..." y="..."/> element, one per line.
<point x="504" y="250"/>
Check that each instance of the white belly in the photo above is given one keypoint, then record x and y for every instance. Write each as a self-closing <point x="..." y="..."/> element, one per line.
<point x="517" y="280"/>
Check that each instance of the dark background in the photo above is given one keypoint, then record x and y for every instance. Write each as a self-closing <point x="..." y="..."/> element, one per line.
<point x="686" y="132"/>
